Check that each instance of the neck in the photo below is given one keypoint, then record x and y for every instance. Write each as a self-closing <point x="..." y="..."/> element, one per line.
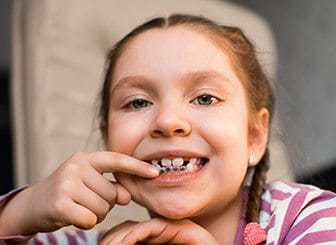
<point x="223" y="224"/>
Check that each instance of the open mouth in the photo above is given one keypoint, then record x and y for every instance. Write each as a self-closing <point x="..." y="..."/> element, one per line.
<point x="179" y="164"/>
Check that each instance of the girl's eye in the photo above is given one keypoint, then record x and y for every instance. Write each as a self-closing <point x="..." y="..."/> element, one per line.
<point x="205" y="99"/>
<point x="138" y="104"/>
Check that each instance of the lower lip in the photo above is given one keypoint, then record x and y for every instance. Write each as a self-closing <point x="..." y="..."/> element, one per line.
<point x="177" y="178"/>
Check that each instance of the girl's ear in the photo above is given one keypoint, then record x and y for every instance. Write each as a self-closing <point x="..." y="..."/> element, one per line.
<point x="258" y="136"/>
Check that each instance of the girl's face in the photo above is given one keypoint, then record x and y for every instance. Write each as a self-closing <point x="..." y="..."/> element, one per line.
<point x="174" y="97"/>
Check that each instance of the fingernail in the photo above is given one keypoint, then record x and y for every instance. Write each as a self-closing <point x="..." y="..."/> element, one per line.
<point x="154" y="170"/>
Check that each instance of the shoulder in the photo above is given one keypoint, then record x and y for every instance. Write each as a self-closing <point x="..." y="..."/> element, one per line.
<point x="298" y="213"/>
<point x="279" y="192"/>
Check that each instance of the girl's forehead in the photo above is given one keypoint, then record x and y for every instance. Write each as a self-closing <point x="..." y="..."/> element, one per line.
<point x="167" y="52"/>
<point x="180" y="38"/>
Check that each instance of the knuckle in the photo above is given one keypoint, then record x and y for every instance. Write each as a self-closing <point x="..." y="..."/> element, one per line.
<point x="59" y="206"/>
<point x="71" y="168"/>
<point x="65" y="187"/>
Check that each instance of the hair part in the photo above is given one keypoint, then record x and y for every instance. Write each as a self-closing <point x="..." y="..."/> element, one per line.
<point x="242" y="55"/>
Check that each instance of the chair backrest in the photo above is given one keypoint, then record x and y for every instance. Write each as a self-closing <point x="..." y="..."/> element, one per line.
<point x="59" y="51"/>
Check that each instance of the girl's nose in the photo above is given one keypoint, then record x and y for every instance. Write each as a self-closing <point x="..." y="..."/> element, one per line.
<point x="170" y="122"/>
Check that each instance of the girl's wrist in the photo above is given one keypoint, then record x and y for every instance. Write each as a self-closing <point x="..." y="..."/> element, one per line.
<point x="14" y="220"/>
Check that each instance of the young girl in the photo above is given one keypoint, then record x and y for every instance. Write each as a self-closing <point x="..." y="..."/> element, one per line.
<point x="185" y="115"/>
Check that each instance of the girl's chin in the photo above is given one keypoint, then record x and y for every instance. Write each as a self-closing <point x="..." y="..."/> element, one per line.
<point x="175" y="212"/>
<point x="171" y="214"/>
<point x="173" y="204"/>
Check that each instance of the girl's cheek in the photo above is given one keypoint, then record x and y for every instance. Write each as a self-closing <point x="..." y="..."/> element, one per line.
<point x="224" y="132"/>
<point x="125" y="135"/>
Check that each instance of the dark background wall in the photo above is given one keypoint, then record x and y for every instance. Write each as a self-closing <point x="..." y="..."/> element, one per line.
<point x="6" y="173"/>
<point x="305" y="32"/>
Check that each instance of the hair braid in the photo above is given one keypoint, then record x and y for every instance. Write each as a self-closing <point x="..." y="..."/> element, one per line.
<point x="257" y="188"/>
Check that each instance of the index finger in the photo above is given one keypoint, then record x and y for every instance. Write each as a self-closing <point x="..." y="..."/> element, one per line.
<point x="105" y="162"/>
<point x="153" y="230"/>
<point x="162" y="231"/>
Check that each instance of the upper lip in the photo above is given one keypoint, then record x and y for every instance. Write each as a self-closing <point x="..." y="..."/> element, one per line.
<point x="171" y="154"/>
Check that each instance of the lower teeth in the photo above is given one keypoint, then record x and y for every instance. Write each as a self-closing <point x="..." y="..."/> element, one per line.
<point x="164" y="169"/>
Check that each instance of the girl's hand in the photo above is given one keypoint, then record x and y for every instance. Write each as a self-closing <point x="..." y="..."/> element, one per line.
<point x="158" y="231"/>
<point x="75" y="194"/>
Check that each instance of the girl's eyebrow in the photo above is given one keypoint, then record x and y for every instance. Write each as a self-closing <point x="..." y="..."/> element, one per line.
<point x="137" y="81"/>
<point x="194" y="78"/>
<point x="201" y="76"/>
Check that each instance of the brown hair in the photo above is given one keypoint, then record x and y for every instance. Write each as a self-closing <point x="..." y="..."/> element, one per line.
<point x="242" y="55"/>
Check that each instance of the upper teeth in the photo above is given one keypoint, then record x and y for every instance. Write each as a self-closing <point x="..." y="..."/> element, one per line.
<point x="166" y="162"/>
<point x="175" y="162"/>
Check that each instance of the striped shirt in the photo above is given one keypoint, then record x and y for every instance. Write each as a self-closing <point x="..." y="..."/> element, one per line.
<point x="290" y="214"/>
<point x="298" y="214"/>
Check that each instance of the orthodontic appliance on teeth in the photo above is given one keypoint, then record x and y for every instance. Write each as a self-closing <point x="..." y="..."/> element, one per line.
<point x="178" y="164"/>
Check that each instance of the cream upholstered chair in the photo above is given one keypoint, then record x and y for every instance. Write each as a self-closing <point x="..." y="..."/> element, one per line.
<point x="59" y="50"/>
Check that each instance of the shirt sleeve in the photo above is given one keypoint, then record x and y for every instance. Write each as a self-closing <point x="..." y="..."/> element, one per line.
<point x="62" y="236"/>
<point x="73" y="236"/>
<point x="302" y="214"/>
<point x="4" y="198"/>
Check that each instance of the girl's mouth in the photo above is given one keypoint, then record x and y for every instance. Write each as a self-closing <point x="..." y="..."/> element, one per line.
<point x="179" y="164"/>
<point x="178" y="171"/>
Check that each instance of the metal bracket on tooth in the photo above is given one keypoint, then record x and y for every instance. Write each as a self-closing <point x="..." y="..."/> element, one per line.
<point x="172" y="168"/>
